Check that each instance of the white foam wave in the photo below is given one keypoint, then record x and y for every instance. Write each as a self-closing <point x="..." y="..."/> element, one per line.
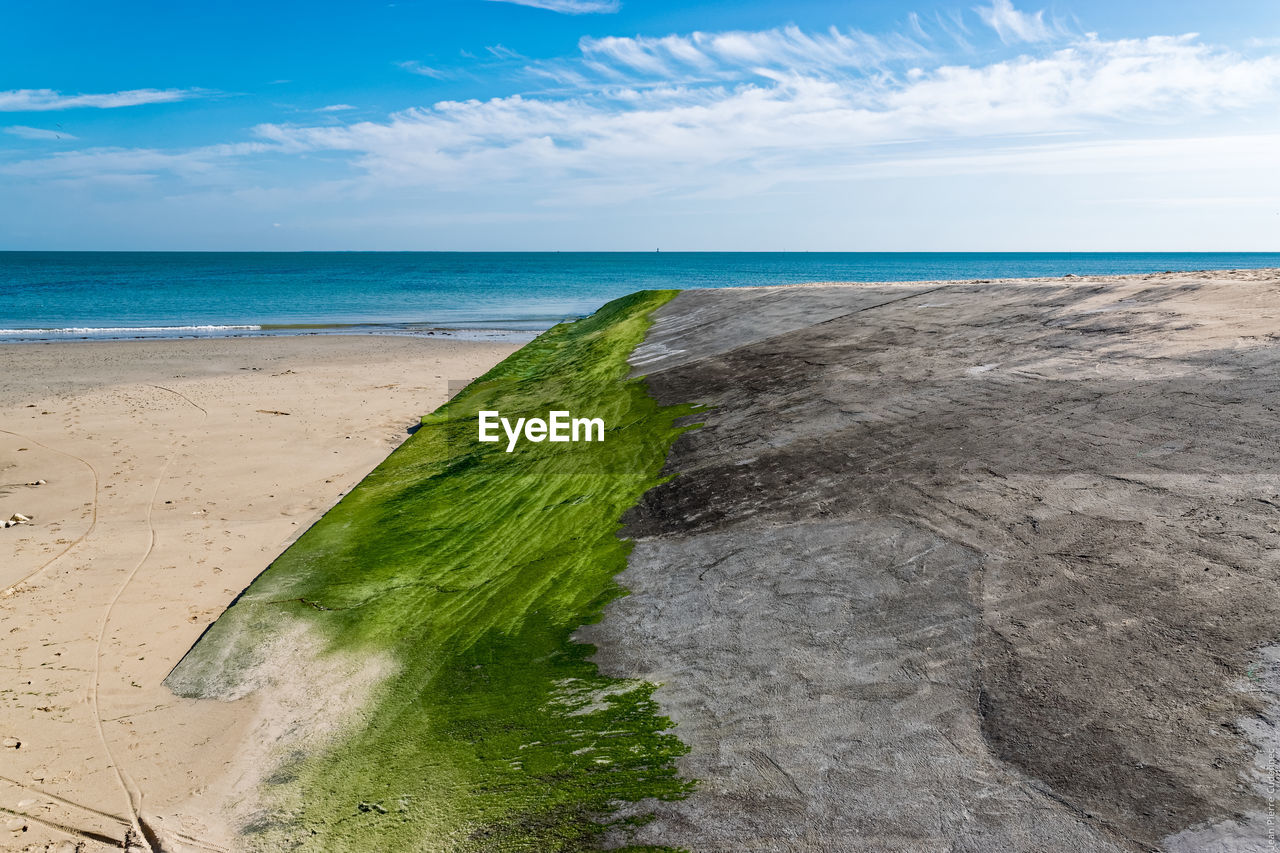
<point x="113" y="330"/>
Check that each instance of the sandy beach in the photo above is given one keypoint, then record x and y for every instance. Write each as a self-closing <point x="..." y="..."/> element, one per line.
<point x="161" y="477"/>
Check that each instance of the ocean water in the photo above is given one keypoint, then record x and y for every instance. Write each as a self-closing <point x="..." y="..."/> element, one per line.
<point x="88" y="295"/>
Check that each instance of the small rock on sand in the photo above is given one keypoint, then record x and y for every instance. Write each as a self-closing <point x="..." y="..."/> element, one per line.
<point x="11" y="743"/>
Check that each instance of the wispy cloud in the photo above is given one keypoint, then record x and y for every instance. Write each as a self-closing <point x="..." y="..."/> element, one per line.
<point x="499" y="51"/>
<point x="135" y="164"/>
<point x="24" y="132"/>
<point x="789" y="48"/>
<point x="1015" y="26"/>
<point x="953" y="25"/>
<point x="913" y="20"/>
<point x="335" y="108"/>
<point x="43" y="100"/>
<point x="413" y="66"/>
<point x="570" y="7"/>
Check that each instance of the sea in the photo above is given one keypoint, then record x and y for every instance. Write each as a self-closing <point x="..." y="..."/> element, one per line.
<point x="55" y="296"/>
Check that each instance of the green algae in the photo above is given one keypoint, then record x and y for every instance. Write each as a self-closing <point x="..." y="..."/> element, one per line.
<point x="470" y="567"/>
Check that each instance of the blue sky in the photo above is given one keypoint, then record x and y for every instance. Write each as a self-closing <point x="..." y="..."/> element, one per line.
<point x="596" y="124"/>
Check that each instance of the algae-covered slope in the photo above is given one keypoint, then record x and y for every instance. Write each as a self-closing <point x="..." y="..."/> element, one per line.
<point x="461" y="570"/>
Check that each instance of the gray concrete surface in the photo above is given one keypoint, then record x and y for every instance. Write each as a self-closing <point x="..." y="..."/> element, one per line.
<point x="978" y="567"/>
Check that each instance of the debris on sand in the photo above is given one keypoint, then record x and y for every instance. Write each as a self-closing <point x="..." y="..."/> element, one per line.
<point x="271" y="412"/>
<point x="16" y="519"/>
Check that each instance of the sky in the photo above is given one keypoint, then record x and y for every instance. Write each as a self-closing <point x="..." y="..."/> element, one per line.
<point x="737" y="125"/>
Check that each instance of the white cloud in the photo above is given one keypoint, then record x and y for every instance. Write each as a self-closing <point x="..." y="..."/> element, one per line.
<point x="1170" y="156"/>
<point x="24" y="132"/>
<point x="335" y="108"/>
<point x="1153" y="78"/>
<point x="707" y="116"/>
<point x="42" y="100"/>
<point x="786" y="113"/>
<point x="1012" y="25"/>
<point x="570" y="7"/>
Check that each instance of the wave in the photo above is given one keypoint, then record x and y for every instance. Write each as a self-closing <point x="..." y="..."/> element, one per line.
<point x="105" y="333"/>
<point x="112" y="330"/>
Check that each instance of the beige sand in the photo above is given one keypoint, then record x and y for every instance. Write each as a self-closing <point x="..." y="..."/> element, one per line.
<point x="174" y="476"/>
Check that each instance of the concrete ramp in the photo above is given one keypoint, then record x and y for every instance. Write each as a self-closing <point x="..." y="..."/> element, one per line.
<point x="979" y="567"/>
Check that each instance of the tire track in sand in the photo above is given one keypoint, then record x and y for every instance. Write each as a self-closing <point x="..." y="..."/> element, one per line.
<point x="140" y="833"/>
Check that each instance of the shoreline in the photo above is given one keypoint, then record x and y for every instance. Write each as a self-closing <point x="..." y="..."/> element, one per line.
<point x="232" y="332"/>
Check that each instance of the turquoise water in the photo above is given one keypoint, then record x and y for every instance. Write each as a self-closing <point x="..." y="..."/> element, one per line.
<point x="77" y="295"/>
